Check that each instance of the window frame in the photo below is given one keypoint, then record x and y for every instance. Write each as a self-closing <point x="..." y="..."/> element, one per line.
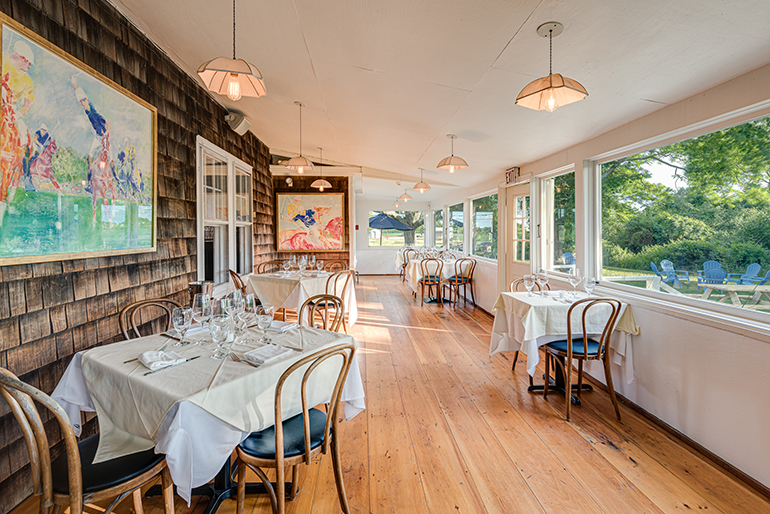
<point x="470" y="216"/>
<point x="203" y="147"/>
<point x="537" y="210"/>
<point x="397" y="248"/>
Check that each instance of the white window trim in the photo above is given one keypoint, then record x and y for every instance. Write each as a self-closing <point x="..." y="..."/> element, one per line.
<point x="537" y="210"/>
<point x="469" y="209"/>
<point x="232" y="161"/>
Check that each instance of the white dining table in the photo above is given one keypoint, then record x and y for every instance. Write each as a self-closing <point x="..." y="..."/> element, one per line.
<point x="195" y="413"/>
<point x="525" y="323"/>
<point x="291" y="290"/>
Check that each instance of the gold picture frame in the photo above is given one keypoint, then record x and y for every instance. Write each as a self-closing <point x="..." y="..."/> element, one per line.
<point x="310" y="222"/>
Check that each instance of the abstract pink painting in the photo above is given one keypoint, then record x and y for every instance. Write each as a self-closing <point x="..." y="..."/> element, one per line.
<point x="310" y="222"/>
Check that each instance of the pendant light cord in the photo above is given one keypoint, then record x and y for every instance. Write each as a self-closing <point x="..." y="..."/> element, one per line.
<point x="300" y="130"/>
<point x="233" y="29"/>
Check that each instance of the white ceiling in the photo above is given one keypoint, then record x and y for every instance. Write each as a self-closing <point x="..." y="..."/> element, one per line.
<point x="385" y="81"/>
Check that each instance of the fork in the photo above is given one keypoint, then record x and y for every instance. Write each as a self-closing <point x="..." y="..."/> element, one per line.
<point x="162" y="349"/>
<point x="238" y="359"/>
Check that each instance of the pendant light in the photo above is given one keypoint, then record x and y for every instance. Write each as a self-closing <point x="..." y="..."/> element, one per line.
<point x="452" y="162"/>
<point x="421" y="186"/>
<point x="320" y="183"/>
<point x="549" y="93"/>
<point x="405" y="197"/>
<point x="232" y="77"/>
<point x="396" y="204"/>
<point x="300" y="163"/>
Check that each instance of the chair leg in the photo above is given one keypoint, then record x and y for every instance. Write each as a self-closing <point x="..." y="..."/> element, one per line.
<point x="280" y="481"/>
<point x="137" y="495"/>
<point x="568" y="386"/>
<point x="608" y="376"/>
<point x="547" y="375"/>
<point x="337" y="465"/>
<point x="473" y="296"/>
<point x="515" y="358"/>
<point x="440" y="294"/>
<point x="580" y="376"/>
<point x="294" y="482"/>
<point x="240" y="498"/>
<point x="168" y="491"/>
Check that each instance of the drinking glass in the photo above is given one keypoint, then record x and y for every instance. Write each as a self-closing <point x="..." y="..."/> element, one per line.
<point x="219" y="328"/>
<point x="542" y="280"/>
<point x="589" y="284"/>
<point x="574" y="280"/>
<point x="181" y="317"/>
<point x="201" y="308"/>
<point x="529" y="283"/>
<point x="301" y="265"/>
<point x="311" y="262"/>
<point x="264" y="319"/>
<point x="247" y="316"/>
<point x="319" y="265"/>
<point x="286" y="267"/>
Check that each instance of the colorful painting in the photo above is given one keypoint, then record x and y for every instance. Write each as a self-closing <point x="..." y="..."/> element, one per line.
<point x="310" y="222"/>
<point x="77" y="167"/>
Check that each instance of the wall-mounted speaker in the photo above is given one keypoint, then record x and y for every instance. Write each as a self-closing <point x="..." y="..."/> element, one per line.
<point x="238" y="123"/>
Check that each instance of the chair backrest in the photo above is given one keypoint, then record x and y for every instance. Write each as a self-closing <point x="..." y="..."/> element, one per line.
<point x="518" y="284"/>
<point x="465" y="267"/>
<point x="448" y="254"/>
<point x="237" y="281"/>
<point x="667" y="266"/>
<point x="430" y="269"/>
<point x="337" y="283"/>
<point x="19" y="395"/>
<point x="311" y="362"/>
<point x="409" y="255"/>
<point x="329" y="307"/>
<point x="752" y="271"/>
<point x="569" y="259"/>
<point x="765" y="280"/>
<point x="333" y="266"/>
<point x="713" y="276"/>
<point x="268" y="266"/>
<point x="604" y="340"/>
<point x="130" y="322"/>
<point x="711" y="265"/>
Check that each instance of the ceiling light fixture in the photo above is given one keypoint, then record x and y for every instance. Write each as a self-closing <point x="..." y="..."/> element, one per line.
<point x="549" y="93"/>
<point x="405" y="197"/>
<point x="300" y="163"/>
<point x="232" y="77"/>
<point x="396" y="204"/>
<point x="421" y="186"/>
<point x="320" y="183"/>
<point x="452" y="162"/>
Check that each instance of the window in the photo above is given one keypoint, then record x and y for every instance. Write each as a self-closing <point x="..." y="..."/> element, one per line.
<point x="558" y="224"/>
<point x="382" y="233"/>
<point x="484" y="222"/>
<point x="671" y="213"/>
<point x="438" y="228"/>
<point x="224" y="214"/>
<point x="521" y="217"/>
<point x="455" y="227"/>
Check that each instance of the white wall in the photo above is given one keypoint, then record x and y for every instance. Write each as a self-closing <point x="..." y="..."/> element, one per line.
<point x="377" y="260"/>
<point x="702" y="372"/>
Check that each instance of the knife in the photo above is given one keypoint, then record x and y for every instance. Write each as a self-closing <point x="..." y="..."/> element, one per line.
<point x="172" y="366"/>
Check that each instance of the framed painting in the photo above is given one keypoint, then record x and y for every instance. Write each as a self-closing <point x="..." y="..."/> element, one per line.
<point x="310" y="222"/>
<point x="77" y="160"/>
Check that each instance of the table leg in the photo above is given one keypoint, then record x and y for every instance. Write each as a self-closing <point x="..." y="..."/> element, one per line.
<point x="222" y="488"/>
<point x="557" y="384"/>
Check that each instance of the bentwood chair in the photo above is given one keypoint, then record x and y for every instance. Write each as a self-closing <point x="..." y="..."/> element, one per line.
<point x="337" y="285"/>
<point x="516" y="287"/>
<point x="463" y="277"/>
<point x="298" y="439"/>
<point x="269" y="266"/>
<point x="238" y="282"/>
<point x="129" y="318"/>
<point x="326" y="307"/>
<point x="71" y="479"/>
<point x="409" y="254"/>
<point x="333" y="266"/>
<point x="430" y="273"/>
<point x="583" y="349"/>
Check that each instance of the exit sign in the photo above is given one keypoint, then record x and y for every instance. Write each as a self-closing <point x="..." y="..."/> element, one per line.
<point x="512" y="175"/>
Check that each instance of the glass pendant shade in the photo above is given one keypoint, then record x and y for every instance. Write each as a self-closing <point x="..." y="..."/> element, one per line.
<point x="549" y="93"/>
<point x="232" y="77"/>
<point x="300" y="164"/>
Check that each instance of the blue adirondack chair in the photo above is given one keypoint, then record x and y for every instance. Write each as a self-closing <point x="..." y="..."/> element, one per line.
<point x="665" y="277"/>
<point x="712" y="276"/>
<point x="668" y="268"/>
<point x="746" y="278"/>
<point x="763" y="281"/>
<point x="707" y="266"/>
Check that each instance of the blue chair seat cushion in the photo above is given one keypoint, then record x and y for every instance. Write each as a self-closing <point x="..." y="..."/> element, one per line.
<point x="98" y="477"/>
<point x="577" y="346"/>
<point x="461" y="280"/>
<point x="262" y="444"/>
<point x="430" y="278"/>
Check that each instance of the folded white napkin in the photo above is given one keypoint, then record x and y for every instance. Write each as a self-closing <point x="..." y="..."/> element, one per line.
<point x="155" y="360"/>
<point x="552" y="293"/>
<point x="281" y="326"/>
<point x="265" y="354"/>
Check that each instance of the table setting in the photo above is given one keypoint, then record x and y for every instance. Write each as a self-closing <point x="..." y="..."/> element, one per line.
<point x="198" y="401"/>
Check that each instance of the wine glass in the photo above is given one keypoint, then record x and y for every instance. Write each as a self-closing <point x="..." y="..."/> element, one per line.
<point x="181" y="317"/>
<point x="201" y="308"/>
<point x="311" y="262"/>
<point x="264" y="319"/>
<point x="248" y="315"/>
<point x="542" y="280"/>
<point x="319" y="265"/>
<point x="574" y="280"/>
<point x="286" y="267"/>
<point x="529" y="283"/>
<point x="219" y="328"/>
<point x="589" y="284"/>
<point x="301" y="265"/>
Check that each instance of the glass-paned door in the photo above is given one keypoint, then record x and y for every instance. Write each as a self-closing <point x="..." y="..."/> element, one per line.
<point x="438" y="228"/>
<point x="521" y="228"/>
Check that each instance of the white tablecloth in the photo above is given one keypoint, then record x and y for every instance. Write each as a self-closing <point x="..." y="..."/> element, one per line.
<point x="523" y="323"/>
<point x="291" y="291"/>
<point x="414" y="272"/>
<point x="195" y="413"/>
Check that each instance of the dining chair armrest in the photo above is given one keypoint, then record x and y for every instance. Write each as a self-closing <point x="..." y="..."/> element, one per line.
<point x="731" y="275"/>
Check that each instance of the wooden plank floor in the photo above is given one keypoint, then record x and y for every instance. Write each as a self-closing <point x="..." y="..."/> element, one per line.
<point x="447" y="429"/>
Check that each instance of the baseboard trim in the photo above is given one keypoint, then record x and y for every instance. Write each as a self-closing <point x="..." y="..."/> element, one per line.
<point x="739" y="475"/>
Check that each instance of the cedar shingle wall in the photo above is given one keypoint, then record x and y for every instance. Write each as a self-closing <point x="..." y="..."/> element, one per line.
<point x="49" y="311"/>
